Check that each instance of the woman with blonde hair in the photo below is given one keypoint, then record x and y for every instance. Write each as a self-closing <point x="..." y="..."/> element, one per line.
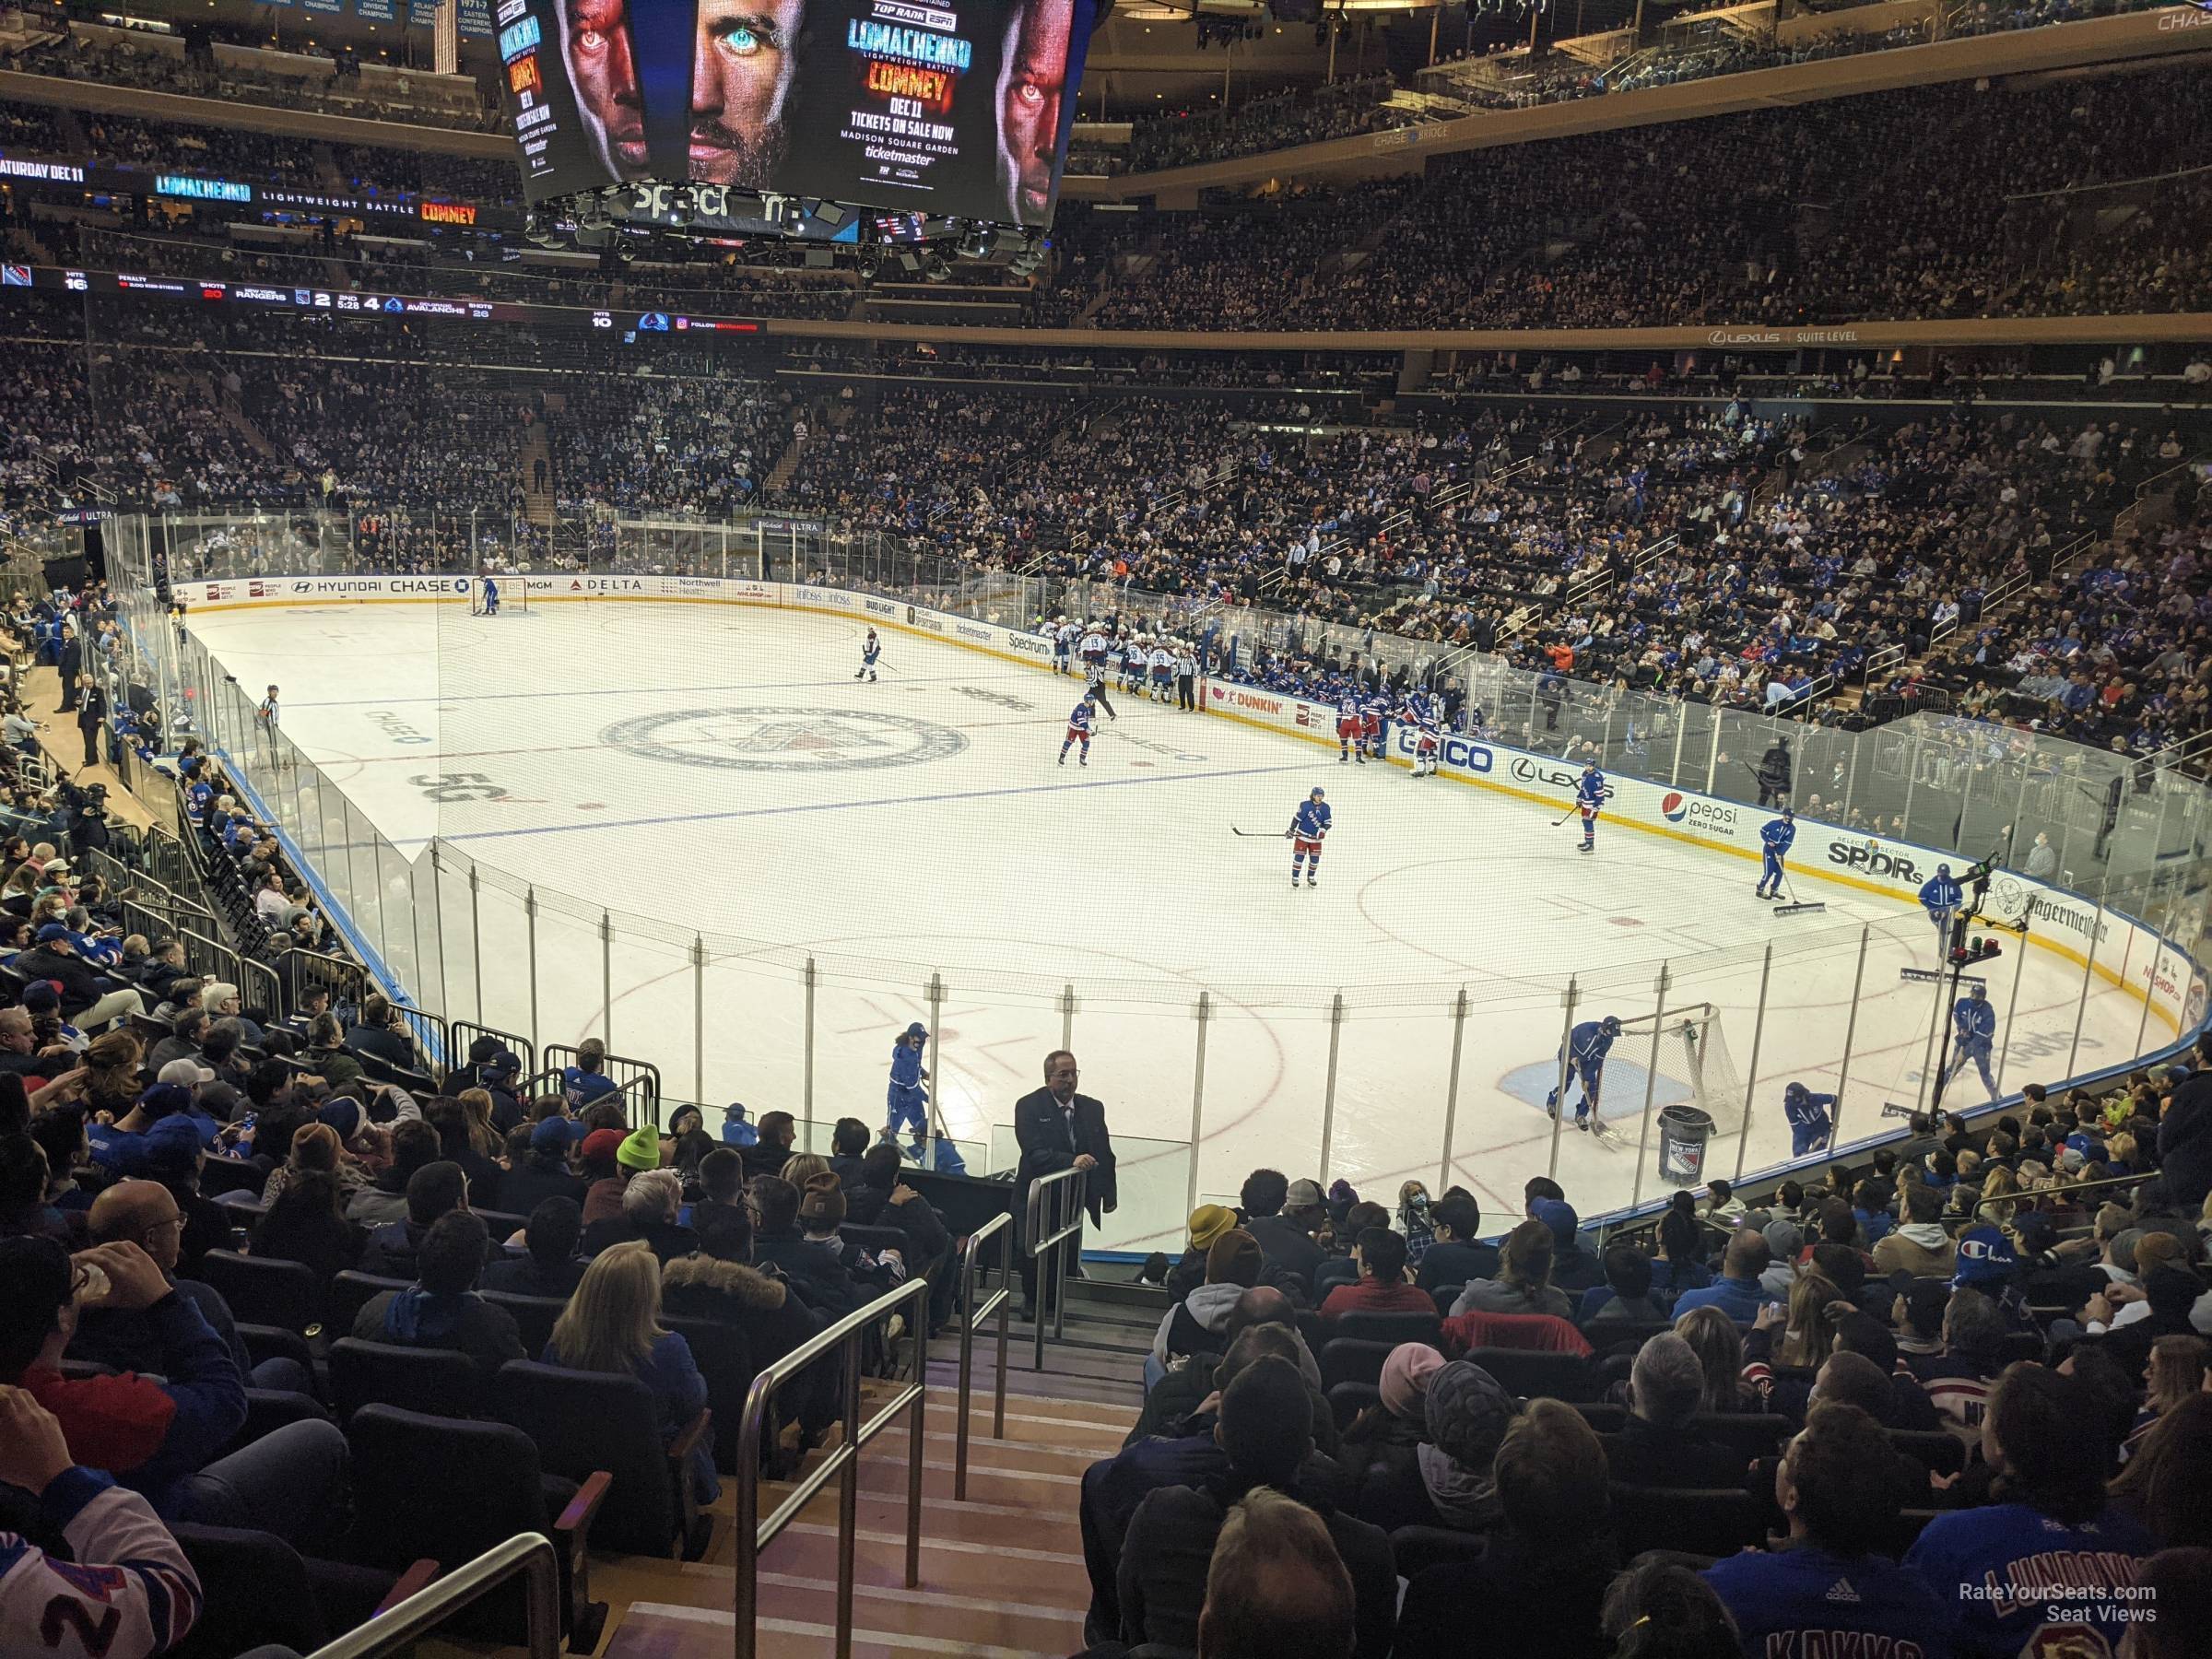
<point x="1712" y="1336"/>
<point x="1809" y="1333"/>
<point x="2176" y="1373"/>
<point x="2000" y="1184"/>
<point x="475" y="1112"/>
<point x="1523" y="1282"/>
<point x="801" y="1166"/>
<point x="612" y="1324"/>
<point x="110" y="1062"/>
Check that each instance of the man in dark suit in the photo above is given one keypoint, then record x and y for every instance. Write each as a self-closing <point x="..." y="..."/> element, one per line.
<point x="71" y="662"/>
<point x="1059" y="1129"/>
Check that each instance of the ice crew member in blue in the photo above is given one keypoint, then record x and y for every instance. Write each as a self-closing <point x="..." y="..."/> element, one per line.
<point x="1587" y="1046"/>
<point x="1941" y="895"/>
<point x="1589" y="796"/>
<point x="491" y="597"/>
<point x="1308" y="825"/>
<point x="870" y="649"/>
<point x="1973" y="1036"/>
<point x="909" y="1100"/>
<point x="1774" y="840"/>
<point x="1812" y="1119"/>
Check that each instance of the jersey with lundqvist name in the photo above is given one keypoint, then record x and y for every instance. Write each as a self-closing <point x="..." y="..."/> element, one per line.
<point x="1312" y="820"/>
<point x="2026" y="1584"/>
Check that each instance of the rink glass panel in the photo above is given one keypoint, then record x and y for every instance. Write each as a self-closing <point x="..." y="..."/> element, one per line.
<point x="459" y="936"/>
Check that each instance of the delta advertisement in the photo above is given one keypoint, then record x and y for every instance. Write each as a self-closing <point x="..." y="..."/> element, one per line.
<point x="950" y="111"/>
<point x="2106" y="942"/>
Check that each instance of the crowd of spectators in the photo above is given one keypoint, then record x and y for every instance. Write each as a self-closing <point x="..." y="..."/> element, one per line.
<point x="1273" y="121"/>
<point x="1868" y="1413"/>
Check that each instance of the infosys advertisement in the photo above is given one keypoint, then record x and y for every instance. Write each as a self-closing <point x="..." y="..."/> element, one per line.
<point x="957" y="111"/>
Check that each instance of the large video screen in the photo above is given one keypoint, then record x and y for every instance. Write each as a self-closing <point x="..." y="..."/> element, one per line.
<point x="959" y="110"/>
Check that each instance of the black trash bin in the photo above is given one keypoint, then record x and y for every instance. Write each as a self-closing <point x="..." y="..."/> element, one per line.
<point x="1684" y="1131"/>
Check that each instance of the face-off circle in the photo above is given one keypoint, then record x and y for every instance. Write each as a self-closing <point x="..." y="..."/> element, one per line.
<point x="784" y="740"/>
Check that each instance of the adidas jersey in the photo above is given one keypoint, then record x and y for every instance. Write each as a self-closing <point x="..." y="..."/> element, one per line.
<point x="1796" y="1603"/>
<point x="2024" y="1584"/>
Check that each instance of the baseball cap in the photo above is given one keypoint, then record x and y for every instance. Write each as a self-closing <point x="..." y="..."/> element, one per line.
<point x="55" y="866"/>
<point x="917" y="1029"/>
<point x="1558" y="1215"/>
<point x="1784" y="1240"/>
<point x="640" y="1150"/>
<point x="51" y="932"/>
<point x="165" y="1099"/>
<point x="171" y="1147"/>
<point x="1985" y="1256"/>
<point x="186" y="1071"/>
<point x="504" y="1063"/>
<point x="40" y="998"/>
<point x="551" y="1135"/>
<point x="1303" y="1194"/>
<point x="602" y="1143"/>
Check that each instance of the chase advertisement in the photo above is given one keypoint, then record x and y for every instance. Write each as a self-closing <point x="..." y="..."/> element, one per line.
<point x="951" y="111"/>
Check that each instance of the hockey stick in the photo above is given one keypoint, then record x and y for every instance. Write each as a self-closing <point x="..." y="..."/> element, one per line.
<point x="1796" y="907"/>
<point x="1570" y="812"/>
<point x="1261" y="834"/>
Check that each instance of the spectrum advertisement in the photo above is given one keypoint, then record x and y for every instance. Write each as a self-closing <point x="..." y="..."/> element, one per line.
<point x="951" y="111"/>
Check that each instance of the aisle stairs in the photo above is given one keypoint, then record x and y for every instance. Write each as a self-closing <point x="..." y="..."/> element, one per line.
<point x="1001" y="1572"/>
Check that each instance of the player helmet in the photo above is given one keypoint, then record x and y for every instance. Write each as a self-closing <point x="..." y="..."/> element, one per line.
<point x="1610" y="1025"/>
<point x="1796" y="1092"/>
<point x="1588" y="766"/>
<point x="1317" y="794"/>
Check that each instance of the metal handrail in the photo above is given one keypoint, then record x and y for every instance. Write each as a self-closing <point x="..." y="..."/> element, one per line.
<point x="1000" y="1226"/>
<point x="754" y="1535"/>
<point x="1058" y="1184"/>
<point x="2026" y="1200"/>
<point x="530" y="1554"/>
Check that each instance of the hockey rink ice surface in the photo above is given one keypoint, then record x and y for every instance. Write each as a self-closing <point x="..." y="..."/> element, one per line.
<point x="719" y="771"/>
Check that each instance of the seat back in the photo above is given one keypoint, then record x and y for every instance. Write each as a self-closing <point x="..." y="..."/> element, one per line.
<point x="534" y="1317"/>
<point x="1941" y="1452"/>
<point x="725" y="1356"/>
<point x="1602" y="1418"/>
<point x="1349" y="1359"/>
<point x="264" y="1290"/>
<point x="1444" y="1296"/>
<point x="432" y="1381"/>
<point x="349" y="1294"/>
<point x="449" y="1489"/>
<point x="1416" y="1548"/>
<point x="1749" y="1434"/>
<point x="255" y="1591"/>
<point x="1393" y="1328"/>
<point x="1529" y="1373"/>
<point x="501" y="1224"/>
<point x="585" y="1420"/>
<point x="1347" y="1400"/>
<point x="1715" y="1522"/>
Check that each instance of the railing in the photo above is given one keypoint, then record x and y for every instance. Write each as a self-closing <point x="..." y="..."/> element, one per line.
<point x="1001" y="1227"/>
<point x="1050" y="1252"/>
<point x="530" y="1554"/>
<point x="461" y="1034"/>
<point x="619" y="1069"/>
<point x="2024" y="1200"/>
<point x="754" y="1535"/>
<point x="1879" y="663"/>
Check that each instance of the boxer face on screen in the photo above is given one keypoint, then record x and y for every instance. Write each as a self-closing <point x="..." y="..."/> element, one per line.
<point x="741" y="70"/>
<point x="596" y="41"/>
<point x="1030" y="83"/>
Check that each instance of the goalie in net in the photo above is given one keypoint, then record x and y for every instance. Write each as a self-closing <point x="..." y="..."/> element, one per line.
<point x="499" y="596"/>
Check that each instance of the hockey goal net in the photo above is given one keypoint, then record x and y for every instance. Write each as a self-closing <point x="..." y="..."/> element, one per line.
<point x="1692" y="1063"/>
<point x="514" y="596"/>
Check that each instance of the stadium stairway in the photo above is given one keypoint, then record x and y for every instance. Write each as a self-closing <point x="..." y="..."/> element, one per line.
<point x="538" y="503"/>
<point x="1002" y="1572"/>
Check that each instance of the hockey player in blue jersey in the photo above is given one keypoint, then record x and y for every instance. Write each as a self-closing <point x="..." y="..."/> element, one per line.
<point x="1941" y="895"/>
<point x="1812" y="1119"/>
<point x="1308" y="825"/>
<point x="1774" y="840"/>
<point x="1078" y="730"/>
<point x="870" y="649"/>
<point x="1589" y="798"/>
<point x="1973" y="1036"/>
<point x="1374" y="722"/>
<point x="908" y="1101"/>
<point x="1587" y="1046"/>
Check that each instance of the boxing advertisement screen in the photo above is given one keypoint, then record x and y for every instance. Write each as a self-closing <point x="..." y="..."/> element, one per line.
<point x="957" y="111"/>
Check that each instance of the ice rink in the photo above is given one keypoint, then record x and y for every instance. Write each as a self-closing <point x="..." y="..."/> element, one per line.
<point x="718" y="771"/>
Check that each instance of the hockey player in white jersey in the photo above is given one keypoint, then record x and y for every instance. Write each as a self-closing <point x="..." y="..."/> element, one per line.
<point x="871" y="649"/>
<point x="1162" y="661"/>
<point x="1309" y="824"/>
<point x="1349" y="723"/>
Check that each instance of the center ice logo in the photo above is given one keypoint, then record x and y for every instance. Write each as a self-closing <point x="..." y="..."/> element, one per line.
<point x="783" y="740"/>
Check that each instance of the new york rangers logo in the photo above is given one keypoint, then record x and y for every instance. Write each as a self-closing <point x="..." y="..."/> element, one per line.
<point x="783" y="740"/>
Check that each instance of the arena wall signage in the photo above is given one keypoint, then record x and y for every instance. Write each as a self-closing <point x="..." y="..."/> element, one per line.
<point x="2126" y="953"/>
